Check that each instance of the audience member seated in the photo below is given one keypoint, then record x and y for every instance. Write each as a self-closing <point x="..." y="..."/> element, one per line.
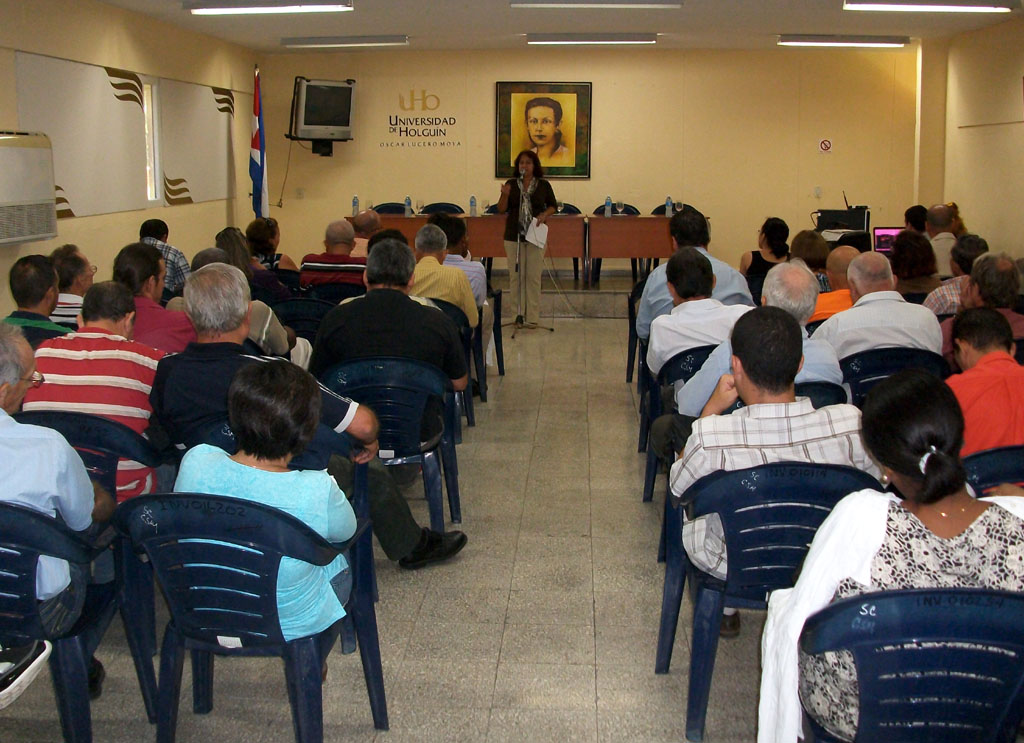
<point x="689" y="229"/>
<point x="838" y="298"/>
<point x="939" y="224"/>
<point x="913" y="264"/>
<point x="141" y="268"/>
<point x="945" y="300"/>
<point x="810" y="247"/>
<point x="274" y="410"/>
<point x="336" y="265"/>
<point x="794" y="289"/>
<point x="33" y="285"/>
<point x="388" y="322"/>
<point x="929" y="533"/>
<point x="264" y="236"/>
<point x="74" y="277"/>
<point x="434" y="280"/>
<point x="190" y="393"/>
<point x="914" y="218"/>
<point x="263" y="283"/>
<point x="696" y="318"/>
<point x="458" y="256"/>
<point x="880" y="317"/>
<point x="45" y="474"/>
<point x="995" y="283"/>
<point x="389" y="234"/>
<point x="366" y="224"/>
<point x="99" y="370"/>
<point x="265" y="330"/>
<point x="155" y="232"/>
<point x="771" y="249"/>
<point x="774" y="426"/>
<point x="991" y="388"/>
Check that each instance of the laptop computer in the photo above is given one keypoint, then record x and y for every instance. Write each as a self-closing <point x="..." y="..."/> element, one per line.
<point x="882" y="238"/>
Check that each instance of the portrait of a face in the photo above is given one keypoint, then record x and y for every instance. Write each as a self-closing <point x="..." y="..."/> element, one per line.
<point x="550" y="119"/>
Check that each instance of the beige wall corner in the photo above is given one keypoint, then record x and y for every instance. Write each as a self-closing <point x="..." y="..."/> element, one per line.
<point x="930" y="134"/>
<point x="985" y="133"/>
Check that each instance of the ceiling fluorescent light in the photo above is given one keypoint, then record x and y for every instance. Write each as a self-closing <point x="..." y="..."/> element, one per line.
<point x="343" y="42"/>
<point x="868" y="42"/>
<point x="934" y="6"/>
<point x="261" y="7"/>
<point x="590" y="39"/>
<point x="597" y="4"/>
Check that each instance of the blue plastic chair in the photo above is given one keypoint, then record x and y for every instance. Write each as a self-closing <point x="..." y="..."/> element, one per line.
<point x="390" y="207"/>
<point x="303" y="315"/>
<point x="457" y="316"/>
<point x="219" y="576"/>
<point x="494" y="297"/>
<point x="631" y="340"/>
<point x="986" y="469"/>
<point x="24" y="536"/>
<point x="289" y="278"/>
<point x="822" y="394"/>
<point x="442" y="207"/>
<point x="915" y="687"/>
<point x="862" y="371"/>
<point x="335" y="292"/>
<point x="769" y="516"/>
<point x="101" y="443"/>
<point x="1019" y="352"/>
<point x="398" y="391"/>
<point x="682" y="366"/>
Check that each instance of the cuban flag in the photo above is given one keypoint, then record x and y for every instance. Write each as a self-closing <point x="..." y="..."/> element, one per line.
<point x="258" y="155"/>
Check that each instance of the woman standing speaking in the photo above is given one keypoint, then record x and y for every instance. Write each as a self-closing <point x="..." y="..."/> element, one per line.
<point x="524" y="199"/>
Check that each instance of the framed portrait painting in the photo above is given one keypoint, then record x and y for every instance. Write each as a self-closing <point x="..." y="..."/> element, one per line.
<point x="552" y="119"/>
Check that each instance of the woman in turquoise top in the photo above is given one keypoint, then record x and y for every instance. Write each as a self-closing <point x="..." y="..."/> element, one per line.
<point x="274" y="409"/>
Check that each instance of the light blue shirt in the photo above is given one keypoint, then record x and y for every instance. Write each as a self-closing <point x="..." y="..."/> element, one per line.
<point x="820" y="365"/>
<point x="306" y="602"/>
<point x="41" y="471"/>
<point x="730" y="288"/>
<point x="475" y="272"/>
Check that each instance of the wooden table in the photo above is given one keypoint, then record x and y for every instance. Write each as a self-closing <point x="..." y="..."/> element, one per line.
<point x="408" y="226"/>
<point x="627" y="236"/>
<point x="565" y="236"/>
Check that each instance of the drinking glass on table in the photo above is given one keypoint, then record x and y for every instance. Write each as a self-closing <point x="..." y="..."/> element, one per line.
<point x="419" y="205"/>
<point x="559" y="205"/>
<point x="618" y="207"/>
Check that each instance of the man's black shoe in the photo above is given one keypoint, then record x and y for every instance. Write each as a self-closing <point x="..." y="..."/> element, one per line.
<point x="96" y="676"/>
<point x="520" y="321"/>
<point x="433" y="547"/>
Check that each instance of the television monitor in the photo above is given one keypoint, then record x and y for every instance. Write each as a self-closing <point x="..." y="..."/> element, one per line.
<point x="882" y="238"/>
<point x="322" y="109"/>
<point x="856" y="218"/>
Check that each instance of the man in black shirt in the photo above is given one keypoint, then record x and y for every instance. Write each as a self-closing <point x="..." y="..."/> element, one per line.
<point x="33" y="282"/>
<point x="386" y="321"/>
<point x="189" y="398"/>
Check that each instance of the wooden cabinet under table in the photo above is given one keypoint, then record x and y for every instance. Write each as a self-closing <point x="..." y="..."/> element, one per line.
<point x="565" y="236"/>
<point x="629" y="236"/>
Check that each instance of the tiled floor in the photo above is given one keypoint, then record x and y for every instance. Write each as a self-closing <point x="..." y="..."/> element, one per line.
<point x="543" y="628"/>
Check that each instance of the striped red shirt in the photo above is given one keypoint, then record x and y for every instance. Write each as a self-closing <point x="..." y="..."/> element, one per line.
<point x="96" y="372"/>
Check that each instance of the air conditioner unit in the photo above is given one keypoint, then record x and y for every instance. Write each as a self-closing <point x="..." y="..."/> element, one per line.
<point x="27" y="205"/>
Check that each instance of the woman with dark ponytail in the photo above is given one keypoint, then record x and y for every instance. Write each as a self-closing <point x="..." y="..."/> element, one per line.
<point x="930" y="532"/>
<point x="772" y="249"/>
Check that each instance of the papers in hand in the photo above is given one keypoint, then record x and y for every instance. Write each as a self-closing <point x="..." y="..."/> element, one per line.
<point x="537" y="234"/>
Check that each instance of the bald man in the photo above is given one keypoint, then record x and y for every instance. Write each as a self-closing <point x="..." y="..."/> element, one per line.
<point x="367" y="224"/>
<point x="837" y="300"/>
<point x="336" y="265"/>
<point x="938" y="223"/>
<point x="879" y="317"/>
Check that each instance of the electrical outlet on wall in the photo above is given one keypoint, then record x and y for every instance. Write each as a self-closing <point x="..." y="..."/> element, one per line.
<point x="817" y="192"/>
<point x="300" y="193"/>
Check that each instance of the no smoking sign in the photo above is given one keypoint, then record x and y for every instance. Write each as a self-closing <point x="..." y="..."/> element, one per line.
<point x="824" y="146"/>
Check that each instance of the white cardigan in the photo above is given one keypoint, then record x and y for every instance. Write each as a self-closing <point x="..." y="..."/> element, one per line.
<point x="844" y="547"/>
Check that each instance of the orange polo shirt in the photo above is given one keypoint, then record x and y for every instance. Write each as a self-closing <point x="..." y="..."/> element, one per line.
<point x="830" y="303"/>
<point x="991" y="395"/>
